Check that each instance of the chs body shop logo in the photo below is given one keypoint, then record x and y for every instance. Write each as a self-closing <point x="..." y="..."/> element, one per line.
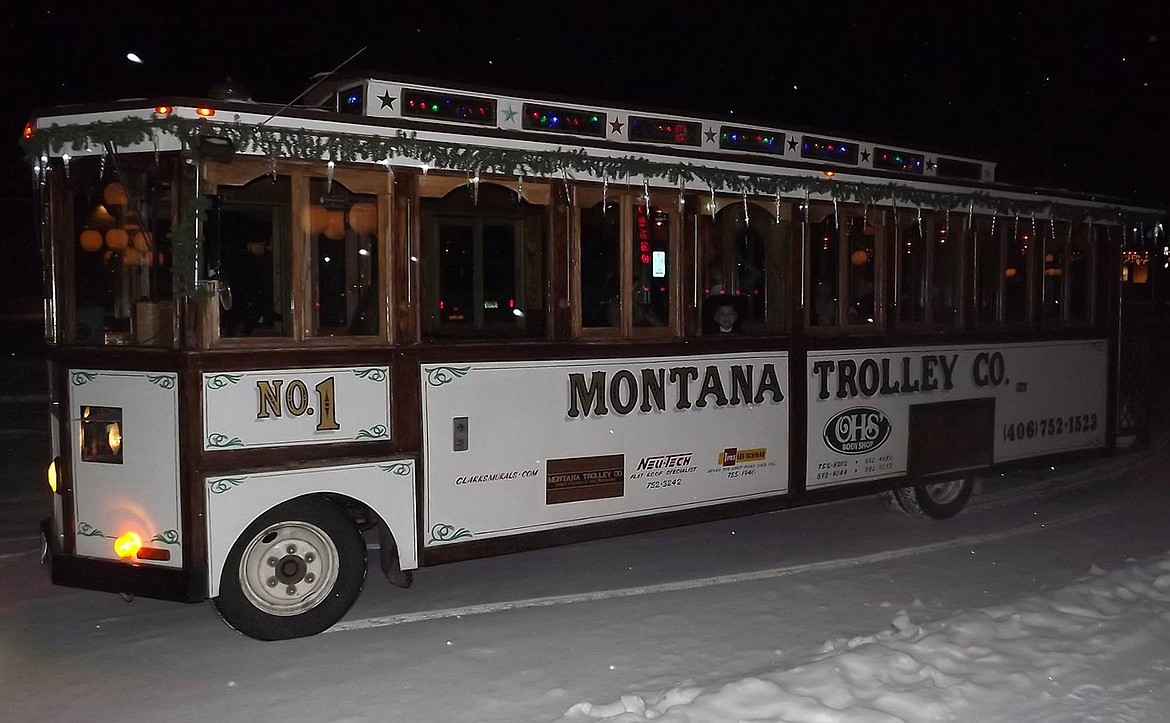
<point x="857" y="430"/>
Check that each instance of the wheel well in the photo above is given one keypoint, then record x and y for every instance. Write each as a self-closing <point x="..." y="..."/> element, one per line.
<point x="367" y="520"/>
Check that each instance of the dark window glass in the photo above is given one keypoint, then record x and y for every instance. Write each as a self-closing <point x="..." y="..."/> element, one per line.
<point x="1015" y="272"/>
<point x="601" y="266"/>
<point x="945" y="273"/>
<point x="911" y="273"/>
<point x="1056" y="241"/>
<point x="344" y="231"/>
<point x="861" y="275"/>
<point x="990" y="269"/>
<point x="823" y="272"/>
<point x="249" y="236"/>
<point x="1079" y="271"/>
<point x="651" y="272"/>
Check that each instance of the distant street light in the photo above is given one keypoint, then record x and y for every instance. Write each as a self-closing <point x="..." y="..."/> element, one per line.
<point x="133" y="58"/>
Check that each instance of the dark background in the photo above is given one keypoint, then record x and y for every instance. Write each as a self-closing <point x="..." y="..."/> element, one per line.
<point x="1061" y="94"/>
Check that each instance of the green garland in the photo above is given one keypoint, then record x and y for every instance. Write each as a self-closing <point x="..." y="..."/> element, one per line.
<point x="351" y="148"/>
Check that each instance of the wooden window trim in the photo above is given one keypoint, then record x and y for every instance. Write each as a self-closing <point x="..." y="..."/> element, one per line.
<point x="302" y="292"/>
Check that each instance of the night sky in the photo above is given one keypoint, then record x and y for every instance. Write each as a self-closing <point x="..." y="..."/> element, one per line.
<point x="1068" y="95"/>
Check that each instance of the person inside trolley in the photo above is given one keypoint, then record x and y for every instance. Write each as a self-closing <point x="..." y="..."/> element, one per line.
<point x="722" y="315"/>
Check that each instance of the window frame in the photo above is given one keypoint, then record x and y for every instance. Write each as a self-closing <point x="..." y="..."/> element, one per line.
<point x="587" y="197"/>
<point x="301" y="288"/>
<point x="823" y="210"/>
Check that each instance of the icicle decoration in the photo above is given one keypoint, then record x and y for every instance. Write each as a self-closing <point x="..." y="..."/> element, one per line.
<point x="745" y="210"/>
<point x="520" y="187"/>
<point x="475" y="189"/>
<point x="804" y="207"/>
<point x="154" y="142"/>
<point x="993" y="217"/>
<point x="1016" y="229"/>
<point x="646" y="193"/>
<point x="919" y="222"/>
<point x="102" y="164"/>
<point x="947" y="227"/>
<point x="776" y="219"/>
<point x="272" y="167"/>
<point x="712" y="202"/>
<point x="44" y="169"/>
<point x="836" y="213"/>
<point x="329" y="168"/>
<point x="65" y="158"/>
<point x="565" y="182"/>
<point x="1035" y="238"/>
<point x="604" y="195"/>
<point x="425" y="168"/>
<point x="971" y="215"/>
<point x="682" y="200"/>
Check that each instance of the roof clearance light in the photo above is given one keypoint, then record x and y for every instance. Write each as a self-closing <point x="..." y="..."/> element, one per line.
<point x="163" y="110"/>
<point x="127" y="545"/>
<point x="30" y="129"/>
<point x="205" y="112"/>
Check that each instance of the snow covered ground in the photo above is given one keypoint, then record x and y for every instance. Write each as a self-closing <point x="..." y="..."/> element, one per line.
<point x="1095" y="650"/>
<point x="1048" y="599"/>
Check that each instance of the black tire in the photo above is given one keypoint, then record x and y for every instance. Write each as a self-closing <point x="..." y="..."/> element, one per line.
<point x="936" y="500"/>
<point x="294" y="572"/>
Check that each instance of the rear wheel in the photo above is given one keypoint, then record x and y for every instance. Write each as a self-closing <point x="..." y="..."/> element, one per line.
<point x="294" y="572"/>
<point x="937" y="500"/>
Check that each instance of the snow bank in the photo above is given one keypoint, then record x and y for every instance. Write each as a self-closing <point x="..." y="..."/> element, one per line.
<point x="1094" y="651"/>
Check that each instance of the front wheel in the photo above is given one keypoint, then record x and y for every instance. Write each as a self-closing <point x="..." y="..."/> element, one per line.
<point x="936" y="500"/>
<point x="295" y="571"/>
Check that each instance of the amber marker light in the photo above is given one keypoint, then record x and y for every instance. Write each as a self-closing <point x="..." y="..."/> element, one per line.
<point x="53" y="476"/>
<point x="205" y="112"/>
<point x="830" y="174"/>
<point x="163" y="110"/>
<point x="30" y="130"/>
<point x="127" y="545"/>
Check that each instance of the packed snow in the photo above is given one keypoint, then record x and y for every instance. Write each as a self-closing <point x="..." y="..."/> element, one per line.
<point x="1074" y="654"/>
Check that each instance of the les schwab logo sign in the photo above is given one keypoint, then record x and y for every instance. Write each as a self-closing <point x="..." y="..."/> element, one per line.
<point x="857" y="430"/>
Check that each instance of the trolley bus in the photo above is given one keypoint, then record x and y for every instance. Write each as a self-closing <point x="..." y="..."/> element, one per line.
<point x="459" y="322"/>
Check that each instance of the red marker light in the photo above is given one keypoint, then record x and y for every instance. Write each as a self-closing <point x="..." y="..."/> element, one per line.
<point x="205" y="112"/>
<point x="163" y="110"/>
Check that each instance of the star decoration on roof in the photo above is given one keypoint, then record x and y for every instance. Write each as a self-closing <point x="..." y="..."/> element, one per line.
<point x="616" y="126"/>
<point x="865" y="155"/>
<point x="387" y="100"/>
<point x="710" y="133"/>
<point x="792" y="144"/>
<point x="510" y="114"/>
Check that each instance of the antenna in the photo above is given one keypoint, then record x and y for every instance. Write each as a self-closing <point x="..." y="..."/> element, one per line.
<point x="321" y="80"/>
